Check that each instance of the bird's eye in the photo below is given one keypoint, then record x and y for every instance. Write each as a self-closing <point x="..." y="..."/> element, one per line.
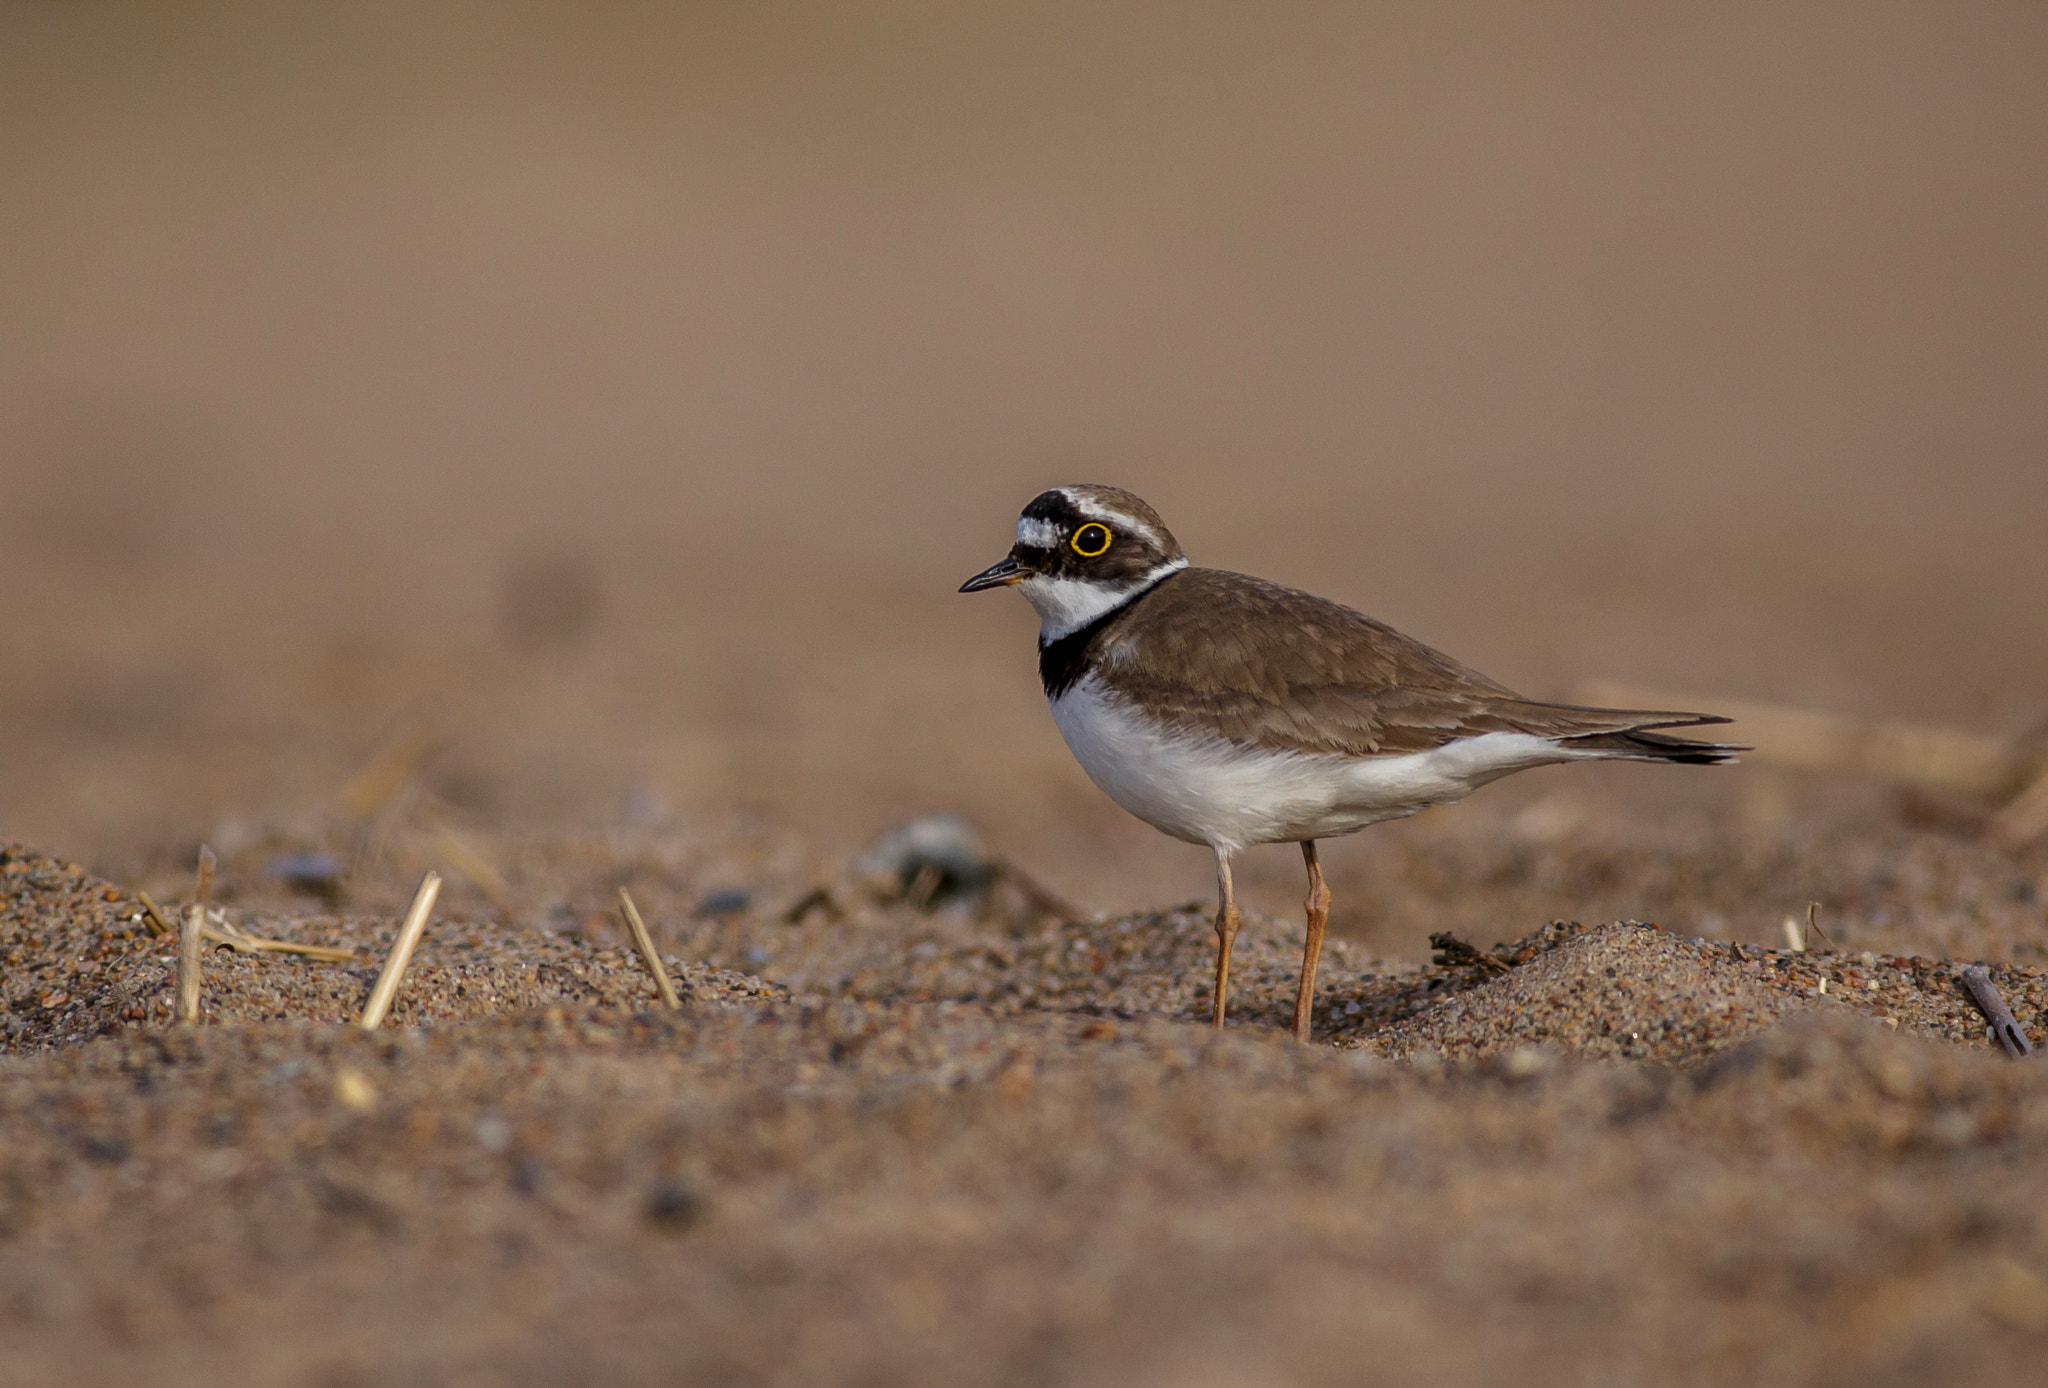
<point x="1091" y="540"/>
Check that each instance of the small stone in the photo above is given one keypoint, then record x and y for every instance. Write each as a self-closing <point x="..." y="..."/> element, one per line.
<point x="727" y="901"/>
<point x="673" y="1207"/>
<point x="316" y="874"/>
<point x="928" y="861"/>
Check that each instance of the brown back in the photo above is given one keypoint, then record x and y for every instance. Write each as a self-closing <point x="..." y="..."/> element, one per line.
<point x="1257" y="664"/>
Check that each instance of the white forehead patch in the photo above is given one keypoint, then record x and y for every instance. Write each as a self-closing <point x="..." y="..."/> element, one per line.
<point x="1116" y="520"/>
<point x="1038" y="534"/>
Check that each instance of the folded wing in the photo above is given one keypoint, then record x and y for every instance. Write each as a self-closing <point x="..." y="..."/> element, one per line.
<point x="1258" y="665"/>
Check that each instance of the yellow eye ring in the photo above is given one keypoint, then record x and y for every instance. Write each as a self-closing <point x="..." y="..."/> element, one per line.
<point x="1086" y="536"/>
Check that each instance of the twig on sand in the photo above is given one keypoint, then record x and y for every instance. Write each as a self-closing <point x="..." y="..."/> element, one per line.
<point x="1037" y="896"/>
<point x="1985" y="994"/>
<point x="256" y="944"/>
<point x="646" y="943"/>
<point x="188" y="942"/>
<point x="1813" y="924"/>
<point x="923" y="887"/>
<point x="401" y="952"/>
<point x="153" y="916"/>
<point x="816" y="899"/>
<point x="221" y="931"/>
<point x="1454" y="953"/>
<point x="217" y="930"/>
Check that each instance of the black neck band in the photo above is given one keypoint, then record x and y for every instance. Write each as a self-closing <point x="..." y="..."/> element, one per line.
<point x="1063" y="661"/>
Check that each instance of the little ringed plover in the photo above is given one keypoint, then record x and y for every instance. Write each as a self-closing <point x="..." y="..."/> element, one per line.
<point x="1228" y="711"/>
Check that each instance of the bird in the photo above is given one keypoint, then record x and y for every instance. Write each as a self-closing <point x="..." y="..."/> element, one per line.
<point x="1228" y="711"/>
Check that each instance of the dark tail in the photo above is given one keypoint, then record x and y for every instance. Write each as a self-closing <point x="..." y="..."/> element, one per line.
<point x="1623" y="733"/>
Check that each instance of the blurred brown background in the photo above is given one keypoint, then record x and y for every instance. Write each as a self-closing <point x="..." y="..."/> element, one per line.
<point x="634" y="383"/>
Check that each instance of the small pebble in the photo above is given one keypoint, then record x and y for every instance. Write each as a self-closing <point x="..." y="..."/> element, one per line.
<point x="728" y="901"/>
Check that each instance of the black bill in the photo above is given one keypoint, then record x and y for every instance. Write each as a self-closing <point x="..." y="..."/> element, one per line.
<point x="1000" y="574"/>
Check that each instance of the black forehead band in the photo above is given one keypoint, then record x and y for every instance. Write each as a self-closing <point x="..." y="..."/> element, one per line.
<point x="1054" y="507"/>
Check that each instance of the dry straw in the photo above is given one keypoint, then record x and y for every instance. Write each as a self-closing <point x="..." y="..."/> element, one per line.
<point x="189" y="941"/>
<point x="216" y="929"/>
<point x="388" y="771"/>
<point x="401" y="952"/>
<point x="221" y="931"/>
<point x="1813" y="930"/>
<point x="461" y="853"/>
<point x="646" y="943"/>
<point x="153" y="914"/>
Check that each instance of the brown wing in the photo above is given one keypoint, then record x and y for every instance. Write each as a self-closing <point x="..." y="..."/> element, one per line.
<point x="1254" y="663"/>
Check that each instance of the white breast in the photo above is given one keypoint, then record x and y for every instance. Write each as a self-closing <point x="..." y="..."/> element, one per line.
<point x="1205" y="790"/>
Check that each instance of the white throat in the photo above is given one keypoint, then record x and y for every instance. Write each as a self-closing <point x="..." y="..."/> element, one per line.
<point x="1065" y="605"/>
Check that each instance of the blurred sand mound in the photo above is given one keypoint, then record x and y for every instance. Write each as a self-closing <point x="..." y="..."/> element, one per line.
<point x="1631" y="991"/>
<point x="1616" y="992"/>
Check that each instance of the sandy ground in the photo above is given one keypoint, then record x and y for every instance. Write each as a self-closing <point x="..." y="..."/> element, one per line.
<point x="966" y="1143"/>
<point x="992" y="1145"/>
<point x="542" y="445"/>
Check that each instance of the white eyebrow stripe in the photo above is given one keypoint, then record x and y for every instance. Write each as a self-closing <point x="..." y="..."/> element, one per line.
<point x="1038" y="534"/>
<point x="1116" y="520"/>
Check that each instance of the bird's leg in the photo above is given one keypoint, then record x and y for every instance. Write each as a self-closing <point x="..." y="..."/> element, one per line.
<point x="1318" y="905"/>
<point x="1226" y="931"/>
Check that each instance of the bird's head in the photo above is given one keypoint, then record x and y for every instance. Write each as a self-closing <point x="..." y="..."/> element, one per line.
<point x="1082" y="551"/>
